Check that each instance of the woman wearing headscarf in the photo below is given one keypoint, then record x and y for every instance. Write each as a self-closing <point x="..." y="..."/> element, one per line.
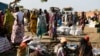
<point x="41" y="27"/>
<point x="33" y="22"/>
<point x="85" y="48"/>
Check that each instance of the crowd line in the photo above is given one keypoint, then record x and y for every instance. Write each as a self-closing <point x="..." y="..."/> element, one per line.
<point x="14" y="22"/>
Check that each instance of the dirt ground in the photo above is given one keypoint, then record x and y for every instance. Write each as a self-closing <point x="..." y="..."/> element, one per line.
<point x="94" y="36"/>
<point x="92" y="32"/>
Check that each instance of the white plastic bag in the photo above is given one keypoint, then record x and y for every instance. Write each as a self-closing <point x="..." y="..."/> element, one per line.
<point x="73" y="29"/>
<point x="67" y="31"/>
<point x="60" y="29"/>
<point x="96" y="51"/>
<point x="78" y="31"/>
<point x="92" y="24"/>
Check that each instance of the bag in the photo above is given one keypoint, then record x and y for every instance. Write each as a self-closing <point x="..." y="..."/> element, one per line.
<point x="78" y="31"/>
<point x="4" y="44"/>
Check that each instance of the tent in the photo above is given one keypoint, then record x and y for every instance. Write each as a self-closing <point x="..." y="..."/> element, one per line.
<point x="3" y="6"/>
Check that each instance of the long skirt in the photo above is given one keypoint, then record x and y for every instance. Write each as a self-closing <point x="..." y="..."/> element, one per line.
<point x="17" y="34"/>
<point x="41" y="30"/>
<point x="33" y="26"/>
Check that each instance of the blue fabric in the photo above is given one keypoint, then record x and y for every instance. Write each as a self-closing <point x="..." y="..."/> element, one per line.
<point x="60" y="22"/>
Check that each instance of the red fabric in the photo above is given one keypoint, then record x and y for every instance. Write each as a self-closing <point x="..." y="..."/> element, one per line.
<point x="1" y="20"/>
<point x="23" y="45"/>
<point x="86" y="38"/>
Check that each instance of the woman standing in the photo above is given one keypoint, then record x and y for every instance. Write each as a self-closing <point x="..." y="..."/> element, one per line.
<point x="82" y="20"/>
<point x="51" y="21"/>
<point x="33" y="22"/>
<point x="47" y="19"/>
<point x="85" y="48"/>
<point x="26" y="20"/>
<point x="3" y="32"/>
<point x="8" y="22"/>
<point x="41" y="24"/>
<point x="18" y="27"/>
<point x="1" y="19"/>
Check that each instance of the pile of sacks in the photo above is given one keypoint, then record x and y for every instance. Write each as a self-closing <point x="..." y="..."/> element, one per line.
<point x="73" y="30"/>
<point x="31" y="46"/>
<point x="92" y="24"/>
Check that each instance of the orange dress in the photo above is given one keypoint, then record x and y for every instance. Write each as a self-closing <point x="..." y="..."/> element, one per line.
<point x="33" y="23"/>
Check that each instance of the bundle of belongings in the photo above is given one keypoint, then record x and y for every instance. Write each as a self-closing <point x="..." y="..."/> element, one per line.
<point x="35" y="45"/>
<point x="72" y="30"/>
<point x="93" y="24"/>
<point x="4" y="44"/>
<point x="65" y="49"/>
<point x="96" y="51"/>
<point x="31" y="46"/>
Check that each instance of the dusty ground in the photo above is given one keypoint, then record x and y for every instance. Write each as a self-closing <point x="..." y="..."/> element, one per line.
<point x="94" y="36"/>
<point x="92" y="32"/>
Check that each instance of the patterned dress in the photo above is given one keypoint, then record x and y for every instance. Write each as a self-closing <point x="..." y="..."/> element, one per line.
<point x="51" y="24"/>
<point x="8" y="21"/>
<point x="33" y="23"/>
<point x="17" y="30"/>
<point x="41" y="25"/>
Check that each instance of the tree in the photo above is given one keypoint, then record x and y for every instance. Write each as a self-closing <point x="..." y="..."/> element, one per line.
<point x="44" y="0"/>
<point x="14" y="2"/>
<point x="96" y="10"/>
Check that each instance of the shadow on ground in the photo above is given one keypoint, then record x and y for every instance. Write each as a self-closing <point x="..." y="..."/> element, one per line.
<point x="11" y="52"/>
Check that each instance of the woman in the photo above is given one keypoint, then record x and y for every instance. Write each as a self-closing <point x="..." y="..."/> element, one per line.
<point x="26" y="20"/>
<point x="1" y="19"/>
<point x="47" y="19"/>
<point x="85" y="48"/>
<point x="41" y="24"/>
<point x="70" y="19"/>
<point x="51" y="23"/>
<point x="8" y="22"/>
<point x="33" y="22"/>
<point x="82" y="20"/>
<point x="18" y="27"/>
<point x="2" y="30"/>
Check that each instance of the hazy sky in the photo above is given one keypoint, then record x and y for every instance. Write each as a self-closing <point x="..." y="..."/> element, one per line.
<point x="80" y="5"/>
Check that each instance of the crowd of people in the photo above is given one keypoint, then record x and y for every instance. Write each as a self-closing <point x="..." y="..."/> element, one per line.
<point x="39" y="22"/>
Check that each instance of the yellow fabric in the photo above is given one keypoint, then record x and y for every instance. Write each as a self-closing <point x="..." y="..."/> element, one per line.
<point x="8" y="21"/>
<point x="33" y="23"/>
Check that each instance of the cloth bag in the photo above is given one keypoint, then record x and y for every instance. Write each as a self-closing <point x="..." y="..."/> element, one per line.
<point x="4" y="44"/>
<point x="78" y="31"/>
<point x="73" y="29"/>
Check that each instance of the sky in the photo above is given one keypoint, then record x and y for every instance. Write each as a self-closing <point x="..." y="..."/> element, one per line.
<point x="78" y="5"/>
